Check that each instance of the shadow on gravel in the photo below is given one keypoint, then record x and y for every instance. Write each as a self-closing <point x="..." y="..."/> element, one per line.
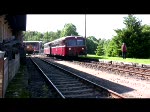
<point x="100" y="81"/>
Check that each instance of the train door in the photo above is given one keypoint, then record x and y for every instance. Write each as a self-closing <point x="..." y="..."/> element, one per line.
<point x="40" y="47"/>
<point x="50" y="49"/>
<point x="65" y="48"/>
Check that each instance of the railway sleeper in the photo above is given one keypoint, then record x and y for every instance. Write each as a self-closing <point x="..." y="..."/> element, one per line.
<point x="69" y="85"/>
<point x="87" y="95"/>
<point x="141" y="74"/>
<point x="74" y="88"/>
<point x="66" y="82"/>
<point x="78" y="91"/>
<point x="124" y="71"/>
<point x="63" y="80"/>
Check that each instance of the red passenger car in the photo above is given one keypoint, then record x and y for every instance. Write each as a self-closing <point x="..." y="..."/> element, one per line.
<point x="66" y="46"/>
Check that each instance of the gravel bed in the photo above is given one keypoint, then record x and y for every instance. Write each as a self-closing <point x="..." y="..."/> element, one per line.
<point x="130" y="87"/>
<point x="70" y="87"/>
<point x="36" y="84"/>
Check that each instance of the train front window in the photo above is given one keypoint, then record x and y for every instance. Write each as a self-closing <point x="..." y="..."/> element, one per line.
<point x="71" y="43"/>
<point x="80" y="42"/>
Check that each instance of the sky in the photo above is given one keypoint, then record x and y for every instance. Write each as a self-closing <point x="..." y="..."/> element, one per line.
<point x="97" y="25"/>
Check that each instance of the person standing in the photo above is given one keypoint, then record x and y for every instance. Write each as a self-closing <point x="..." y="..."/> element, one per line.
<point x="124" y="50"/>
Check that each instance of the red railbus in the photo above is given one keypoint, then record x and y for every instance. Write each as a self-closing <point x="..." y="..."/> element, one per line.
<point x="33" y="47"/>
<point x="66" y="46"/>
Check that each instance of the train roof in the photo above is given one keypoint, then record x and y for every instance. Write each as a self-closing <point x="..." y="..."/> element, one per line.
<point x="47" y="43"/>
<point x="60" y="39"/>
<point x="30" y="41"/>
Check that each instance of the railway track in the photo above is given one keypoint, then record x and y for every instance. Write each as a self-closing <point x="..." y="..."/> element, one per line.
<point x="118" y="68"/>
<point x="37" y="85"/>
<point x="121" y="68"/>
<point x="70" y="85"/>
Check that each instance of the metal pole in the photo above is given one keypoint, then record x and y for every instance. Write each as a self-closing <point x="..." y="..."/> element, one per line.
<point x="85" y="32"/>
<point x="85" y="26"/>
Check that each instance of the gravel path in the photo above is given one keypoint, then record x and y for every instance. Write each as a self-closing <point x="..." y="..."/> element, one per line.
<point x="127" y="86"/>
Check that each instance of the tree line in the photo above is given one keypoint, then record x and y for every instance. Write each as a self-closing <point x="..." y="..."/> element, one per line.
<point x="135" y="35"/>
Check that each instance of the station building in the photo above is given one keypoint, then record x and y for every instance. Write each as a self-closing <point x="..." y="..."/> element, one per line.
<point x="11" y="48"/>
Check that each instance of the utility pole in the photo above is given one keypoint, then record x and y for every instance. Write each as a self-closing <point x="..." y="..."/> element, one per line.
<point x="85" y="26"/>
<point x="85" y="33"/>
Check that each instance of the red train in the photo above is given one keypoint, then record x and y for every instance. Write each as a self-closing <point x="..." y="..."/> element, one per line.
<point x="32" y="47"/>
<point x="66" y="46"/>
<point x="29" y="49"/>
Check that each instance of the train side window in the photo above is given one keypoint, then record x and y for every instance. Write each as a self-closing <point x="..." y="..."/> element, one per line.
<point x="65" y="42"/>
<point x="46" y="46"/>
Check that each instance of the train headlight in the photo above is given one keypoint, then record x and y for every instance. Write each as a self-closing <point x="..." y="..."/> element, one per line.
<point x="82" y="48"/>
<point x="69" y="48"/>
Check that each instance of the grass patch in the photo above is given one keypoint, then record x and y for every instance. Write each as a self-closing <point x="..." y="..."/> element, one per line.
<point x="134" y="60"/>
<point x="17" y="87"/>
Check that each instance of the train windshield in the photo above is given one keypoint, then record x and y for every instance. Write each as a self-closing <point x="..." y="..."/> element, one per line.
<point x="80" y="42"/>
<point x="71" y="43"/>
<point x="75" y="42"/>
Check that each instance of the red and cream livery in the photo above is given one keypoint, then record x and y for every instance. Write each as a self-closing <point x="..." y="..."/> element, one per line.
<point x="66" y="46"/>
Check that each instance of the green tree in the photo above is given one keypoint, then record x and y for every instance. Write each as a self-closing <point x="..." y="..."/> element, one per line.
<point x="93" y="39"/>
<point x="146" y="41"/>
<point x="100" y="48"/>
<point x="58" y="34"/>
<point x="68" y="30"/>
<point x="112" y="49"/>
<point x="134" y="37"/>
<point x="91" y="45"/>
<point x="106" y="47"/>
<point x="46" y="37"/>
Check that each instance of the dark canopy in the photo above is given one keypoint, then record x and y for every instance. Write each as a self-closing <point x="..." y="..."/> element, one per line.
<point x="17" y="22"/>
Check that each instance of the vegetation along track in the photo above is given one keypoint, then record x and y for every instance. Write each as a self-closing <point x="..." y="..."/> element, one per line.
<point x="70" y="85"/>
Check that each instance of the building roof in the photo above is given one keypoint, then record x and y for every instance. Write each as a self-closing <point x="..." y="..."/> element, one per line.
<point x="17" y="22"/>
